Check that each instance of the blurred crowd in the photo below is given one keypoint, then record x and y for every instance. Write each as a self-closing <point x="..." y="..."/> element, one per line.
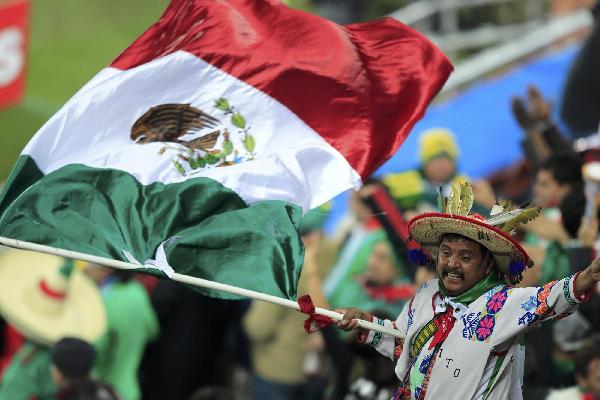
<point x="72" y="330"/>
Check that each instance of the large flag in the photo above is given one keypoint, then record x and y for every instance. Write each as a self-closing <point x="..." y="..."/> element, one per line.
<point x="198" y="149"/>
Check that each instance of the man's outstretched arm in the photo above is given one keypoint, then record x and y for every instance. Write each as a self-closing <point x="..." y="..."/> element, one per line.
<point x="587" y="278"/>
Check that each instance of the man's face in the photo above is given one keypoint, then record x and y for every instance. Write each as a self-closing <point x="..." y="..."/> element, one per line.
<point x="547" y="192"/>
<point x="439" y="170"/>
<point x="460" y="265"/>
<point x="591" y="383"/>
<point x="380" y="265"/>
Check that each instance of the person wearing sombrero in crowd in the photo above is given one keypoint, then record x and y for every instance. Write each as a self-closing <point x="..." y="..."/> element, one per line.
<point x="461" y="332"/>
<point x="45" y="298"/>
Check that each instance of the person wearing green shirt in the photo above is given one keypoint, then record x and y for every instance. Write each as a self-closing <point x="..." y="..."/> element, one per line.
<point x="132" y="323"/>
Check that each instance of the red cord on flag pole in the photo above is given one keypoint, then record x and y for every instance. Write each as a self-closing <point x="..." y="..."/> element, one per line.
<point x="190" y="280"/>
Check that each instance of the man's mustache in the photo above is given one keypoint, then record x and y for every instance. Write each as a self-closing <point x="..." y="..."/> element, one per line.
<point x="455" y="271"/>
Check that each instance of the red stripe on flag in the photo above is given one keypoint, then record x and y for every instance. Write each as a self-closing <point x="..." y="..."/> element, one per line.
<point x="394" y="217"/>
<point x="362" y="87"/>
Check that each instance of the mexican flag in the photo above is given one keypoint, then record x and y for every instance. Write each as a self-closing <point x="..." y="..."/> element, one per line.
<point x="201" y="146"/>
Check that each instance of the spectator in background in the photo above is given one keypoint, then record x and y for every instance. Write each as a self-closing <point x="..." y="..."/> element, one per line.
<point x="46" y="299"/>
<point x="278" y="341"/>
<point x="581" y="102"/>
<point x="72" y="363"/>
<point x="132" y="323"/>
<point x="350" y="261"/>
<point x="558" y="186"/>
<point x="183" y="315"/>
<point x="382" y="283"/>
<point x="417" y="191"/>
<point x="587" y="375"/>
<point x="557" y="176"/>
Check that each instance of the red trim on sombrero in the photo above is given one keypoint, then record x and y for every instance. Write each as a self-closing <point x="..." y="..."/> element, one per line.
<point x="473" y="221"/>
<point x="48" y="291"/>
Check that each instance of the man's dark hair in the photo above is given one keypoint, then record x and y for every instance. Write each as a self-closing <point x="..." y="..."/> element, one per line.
<point x="585" y="355"/>
<point x="565" y="167"/>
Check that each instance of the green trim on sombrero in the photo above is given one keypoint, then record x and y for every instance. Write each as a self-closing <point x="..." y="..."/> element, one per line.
<point x="428" y="229"/>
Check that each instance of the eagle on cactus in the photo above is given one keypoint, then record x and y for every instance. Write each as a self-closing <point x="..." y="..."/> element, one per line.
<point x="171" y="123"/>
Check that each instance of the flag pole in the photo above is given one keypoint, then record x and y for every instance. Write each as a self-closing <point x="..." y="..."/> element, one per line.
<point x="190" y="280"/>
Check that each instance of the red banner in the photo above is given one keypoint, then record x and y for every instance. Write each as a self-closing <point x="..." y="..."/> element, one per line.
<point x="13" y="50"/>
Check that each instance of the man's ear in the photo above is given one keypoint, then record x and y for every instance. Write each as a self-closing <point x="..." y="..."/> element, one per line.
<point x="490" y="262"/>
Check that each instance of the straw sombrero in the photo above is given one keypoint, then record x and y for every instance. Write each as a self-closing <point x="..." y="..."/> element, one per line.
<point x="493" y="233"/>
<point x="47" y="299"/>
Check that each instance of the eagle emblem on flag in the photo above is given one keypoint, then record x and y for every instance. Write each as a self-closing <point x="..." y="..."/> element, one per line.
<point x="183" y="126"/>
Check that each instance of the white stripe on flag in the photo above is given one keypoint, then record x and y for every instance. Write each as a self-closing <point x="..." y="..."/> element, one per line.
<point x="293" y="163"/>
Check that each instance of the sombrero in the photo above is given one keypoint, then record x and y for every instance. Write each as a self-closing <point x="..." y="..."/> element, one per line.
<point x="493" y="233"/>
<point x="46" y="299"/>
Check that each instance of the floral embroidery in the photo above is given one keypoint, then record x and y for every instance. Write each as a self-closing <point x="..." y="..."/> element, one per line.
<point x="536" y="307"/>
<point x="481" y="326"/>
<point x="530" y="304"/>
<point x="485" y="327"/>
<point x="470" y="322"/>
<point x="542" y="309"/>
<point x="490" y="293"/>
<point x="496" y="302"/>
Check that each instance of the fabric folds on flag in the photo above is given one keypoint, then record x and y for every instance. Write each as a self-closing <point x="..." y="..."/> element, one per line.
<point x="198" y="149"/>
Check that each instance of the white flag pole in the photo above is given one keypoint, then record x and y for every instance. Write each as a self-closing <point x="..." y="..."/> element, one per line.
<point x="190" y="280"/>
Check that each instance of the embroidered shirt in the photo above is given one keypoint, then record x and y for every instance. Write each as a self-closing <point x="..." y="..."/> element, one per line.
<point x="482" y="357"/>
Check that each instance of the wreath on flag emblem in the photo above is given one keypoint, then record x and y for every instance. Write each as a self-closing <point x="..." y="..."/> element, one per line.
<point x="178" y="126"/>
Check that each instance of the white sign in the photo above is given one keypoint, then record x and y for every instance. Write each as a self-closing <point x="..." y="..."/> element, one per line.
<point x="12" y="57"/>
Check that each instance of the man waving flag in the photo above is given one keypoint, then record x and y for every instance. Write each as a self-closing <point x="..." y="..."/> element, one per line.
<point x="198" y="149"/>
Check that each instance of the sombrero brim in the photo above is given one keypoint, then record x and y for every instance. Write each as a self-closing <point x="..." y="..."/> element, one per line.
<point x="83" y="314"/>
<point x="428" y="229"/>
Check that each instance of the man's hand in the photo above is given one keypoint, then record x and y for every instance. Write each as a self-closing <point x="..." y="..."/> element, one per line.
<point x="351" y="317"/>
<point x="588" y="278"/>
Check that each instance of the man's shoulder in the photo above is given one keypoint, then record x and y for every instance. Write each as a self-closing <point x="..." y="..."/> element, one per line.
<point x="427" y="289"/>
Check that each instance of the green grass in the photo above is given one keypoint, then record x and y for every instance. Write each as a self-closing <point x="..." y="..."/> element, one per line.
<point x="70" y="41"/>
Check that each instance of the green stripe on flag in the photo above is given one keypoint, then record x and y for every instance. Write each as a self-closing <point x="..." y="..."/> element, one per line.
<point x="104" y="212"/>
